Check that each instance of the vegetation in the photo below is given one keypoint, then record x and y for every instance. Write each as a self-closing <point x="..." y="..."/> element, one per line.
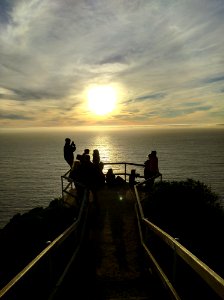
<point x="189" y="210"/>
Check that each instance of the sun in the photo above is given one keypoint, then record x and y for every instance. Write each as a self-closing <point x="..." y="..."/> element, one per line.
<point x="102" y="99"/>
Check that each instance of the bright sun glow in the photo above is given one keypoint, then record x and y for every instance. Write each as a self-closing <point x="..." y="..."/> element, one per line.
<point x="102" y="99"/>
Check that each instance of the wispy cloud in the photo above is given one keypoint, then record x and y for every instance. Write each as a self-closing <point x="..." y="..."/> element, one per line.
<point x="214" y="79"/>
<point x="14" y="117"/>
<point x="164" y="57"/>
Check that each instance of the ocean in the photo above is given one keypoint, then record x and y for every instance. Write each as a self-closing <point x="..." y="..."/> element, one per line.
<point x="31" y="162"/>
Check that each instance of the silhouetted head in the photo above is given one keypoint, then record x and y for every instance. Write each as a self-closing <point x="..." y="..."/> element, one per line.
<point x="86" y="151"/>
<point x="96" y="151"/>
<point x="67" y="140"/>
<point x="79" y="156"/>
<point x="153" y="153"/>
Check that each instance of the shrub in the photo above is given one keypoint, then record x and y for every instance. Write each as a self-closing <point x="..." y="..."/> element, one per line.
<point x="189" y="210"/>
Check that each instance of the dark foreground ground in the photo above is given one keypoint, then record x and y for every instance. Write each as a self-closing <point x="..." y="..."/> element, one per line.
<point x="111" y="264"/>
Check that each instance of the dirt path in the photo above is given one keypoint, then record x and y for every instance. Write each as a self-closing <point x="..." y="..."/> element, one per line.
<point x="115" y="244"/>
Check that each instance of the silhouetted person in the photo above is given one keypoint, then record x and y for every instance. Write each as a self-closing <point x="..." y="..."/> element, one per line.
<point x="91" y="176"/>
<point x="154" y="167"/>
<point x="75" y="175"/>
<point x="147" y="168"/>
<point x="96" y="156"/>
<point x="86" y="171"/>
<point x="86" y="151"/>
<point x="69" y="149"/>
<point x="75" y="171"/>
<point x="132" y="178"/>
<point x="110" y="178"/>
<point x="151" y="169"/>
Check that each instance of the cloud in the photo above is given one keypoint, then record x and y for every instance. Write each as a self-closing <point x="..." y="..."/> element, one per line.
<point x="151" y="96"/>
<point x="163" y="55"/>
<point x="14" y="117"/>
<point x="214" y="79"/>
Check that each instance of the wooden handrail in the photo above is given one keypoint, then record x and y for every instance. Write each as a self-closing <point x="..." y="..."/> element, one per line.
<point x="213" y="280"/>
<point x="55" y="243"/>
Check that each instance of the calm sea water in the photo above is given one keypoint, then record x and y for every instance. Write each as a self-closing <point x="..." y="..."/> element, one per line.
<point x="31" y="163"/>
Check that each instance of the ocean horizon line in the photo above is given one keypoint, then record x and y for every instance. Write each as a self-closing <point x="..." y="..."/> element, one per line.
<point x="110" y="127"/>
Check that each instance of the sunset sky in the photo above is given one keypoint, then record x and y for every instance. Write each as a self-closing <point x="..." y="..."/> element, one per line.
<point x="162" y="59"/>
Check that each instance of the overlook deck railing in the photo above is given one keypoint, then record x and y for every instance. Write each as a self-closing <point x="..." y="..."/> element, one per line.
<point x="44" y="274"/>
<point x="208" y="276"/>
<point x="44" y="270"/>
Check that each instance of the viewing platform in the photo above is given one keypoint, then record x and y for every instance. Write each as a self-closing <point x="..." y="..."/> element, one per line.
<point x="112" y="252"/>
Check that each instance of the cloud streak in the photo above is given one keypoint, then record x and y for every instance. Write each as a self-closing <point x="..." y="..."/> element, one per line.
<point x="164" y="57"/>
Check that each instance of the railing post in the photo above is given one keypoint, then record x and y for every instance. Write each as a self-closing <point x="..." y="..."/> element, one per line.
<point x="62" y="188"/>
<point x="125" y="170"/>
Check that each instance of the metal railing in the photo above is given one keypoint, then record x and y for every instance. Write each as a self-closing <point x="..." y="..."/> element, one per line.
<point x="35" y="283"/>
<point x="125" y="170"/>
<point x="41" y="278"/>
<point x="211" y="278"/>
<point x="47" y="260"/>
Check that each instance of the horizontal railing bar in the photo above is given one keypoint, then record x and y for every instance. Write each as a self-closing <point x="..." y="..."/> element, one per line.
<point x="156" y="266"/>
<point x="30" y="265"/>
<point x="57" y="241"/>
<point x="162" y="275"/>
<point x="72" y="259"/>
<point x="123" y="173"/>
<point x="215" y="281"/>
<point x="123" y="163"/>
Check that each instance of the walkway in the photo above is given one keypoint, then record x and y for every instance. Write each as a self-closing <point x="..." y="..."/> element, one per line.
<point x="112" y="266"/>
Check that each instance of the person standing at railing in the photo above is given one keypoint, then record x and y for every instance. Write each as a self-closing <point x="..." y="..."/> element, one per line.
<point x="96" y="157"/>
<point x="154" y="163"/>
<point x="110" y="178"/>
<point x="75" y="175"/>
<point x="147" y="168"/>
<point x="98" y="167"/>
<point x="90" y="175"/>
<point x="151" y="169"/>
<point x="85" y="152"/>
<point x="69" y="149"/>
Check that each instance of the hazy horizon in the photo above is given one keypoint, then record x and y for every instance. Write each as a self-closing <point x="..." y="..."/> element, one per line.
<point x="111" y="127"/>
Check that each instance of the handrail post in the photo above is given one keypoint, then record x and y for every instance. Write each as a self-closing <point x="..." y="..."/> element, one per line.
<point x="125" y="170"/>
<point x="62" y="188"/>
